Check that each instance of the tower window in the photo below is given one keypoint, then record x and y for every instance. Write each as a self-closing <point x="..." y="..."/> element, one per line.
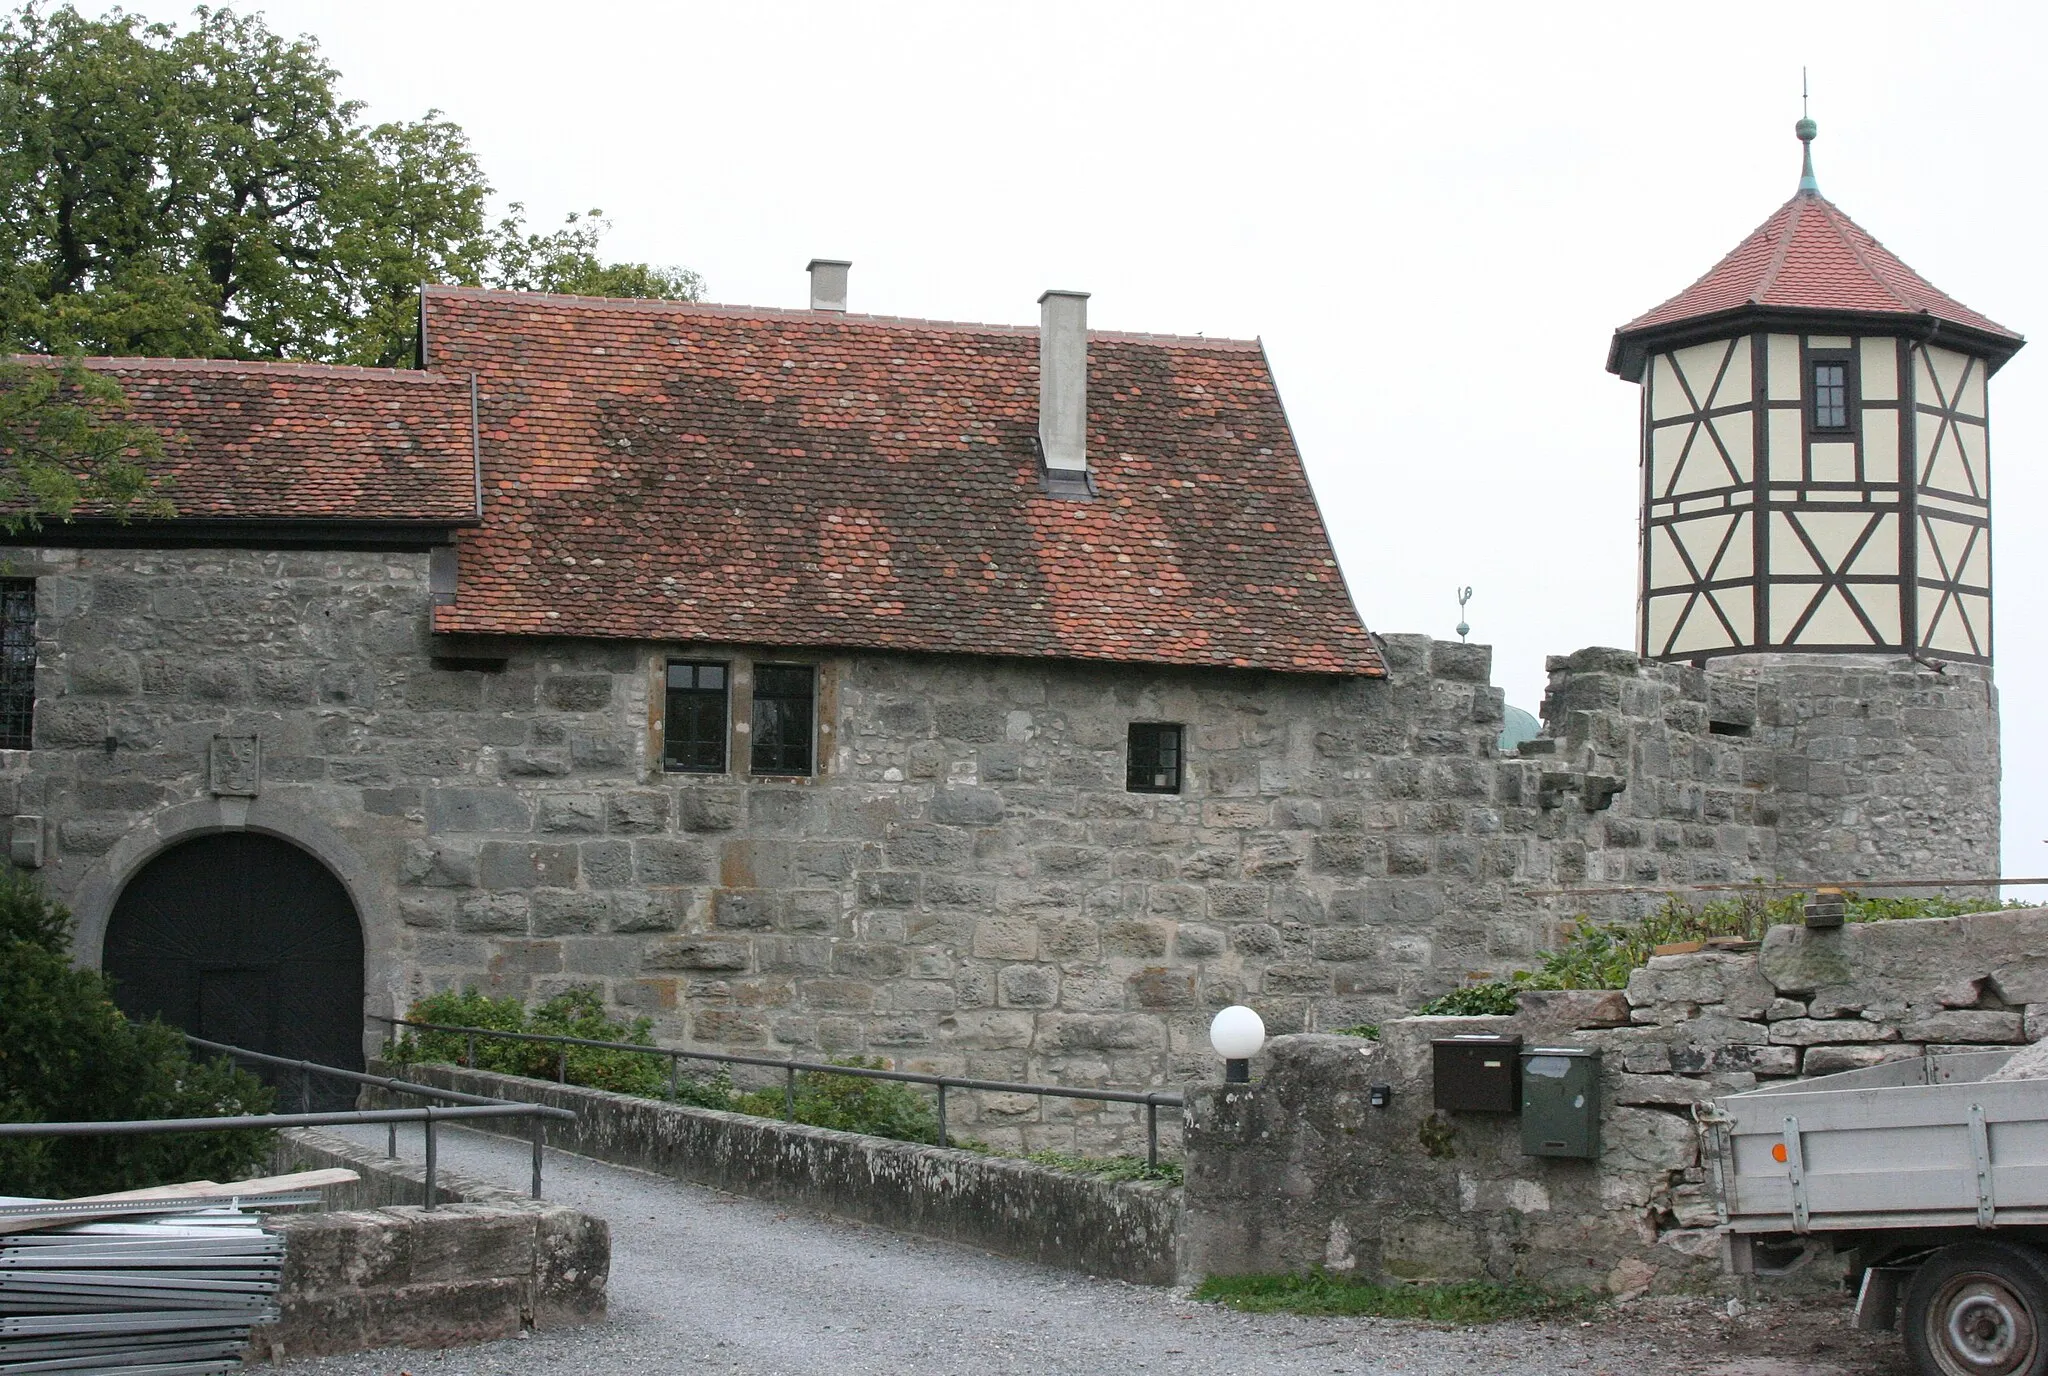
<point x="783" y="697"/>
<point x="1830" y="394"/>
<point x="693" y="729"/>
<point x="1154" y="762"/>
<point x="17" y="663"/>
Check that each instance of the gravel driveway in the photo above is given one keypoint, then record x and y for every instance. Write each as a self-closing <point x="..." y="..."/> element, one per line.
<point x="703" y="1281"/>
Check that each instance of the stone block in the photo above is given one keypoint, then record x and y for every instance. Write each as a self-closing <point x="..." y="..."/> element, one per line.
<point x="1830" y="1032"/>
<point x="476" y="810"/>
<point x="659" y="861"/>
<point x="967" y="807"/>
<point x="1136" y="937"/>
<point x="1163" y="989"/>
<point x="636" y="811"/>
<point x="569" y="814"/>
<point x="560" y="912"/>
<point x="1826" y="1060"/>
<point x="525" y="865"/>
<point x="1028" y="986"/>
<point x="522" y="762"/>
<point x="697" y="953"/>
<point x="707" y="809"/>
<point x="576" y="692"/>
<point x="1965" y="1025"/>
<point x="492" y="912"/>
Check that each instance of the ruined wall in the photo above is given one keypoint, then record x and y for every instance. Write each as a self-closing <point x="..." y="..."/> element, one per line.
<point x="1299" y="1170"/>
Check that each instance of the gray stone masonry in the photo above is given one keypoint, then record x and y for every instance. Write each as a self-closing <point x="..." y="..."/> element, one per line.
<point x="1298" y="1170"/>
<point x="965" y="886"/>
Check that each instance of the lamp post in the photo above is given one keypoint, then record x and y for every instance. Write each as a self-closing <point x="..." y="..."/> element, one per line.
<point x="1237" y="1034"/>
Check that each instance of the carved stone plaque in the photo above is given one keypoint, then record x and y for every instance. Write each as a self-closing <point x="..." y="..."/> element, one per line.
<point x="237" y="766"/>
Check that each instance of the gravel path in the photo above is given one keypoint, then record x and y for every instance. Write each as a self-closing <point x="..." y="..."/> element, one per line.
<point x="703" y="1281"/>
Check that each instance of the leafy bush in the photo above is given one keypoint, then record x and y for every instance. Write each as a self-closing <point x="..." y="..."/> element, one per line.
<point x="1368" y="1030"/>
<point x="1466" y="1301"/>
<point x="852" y="1103"/>
<point x="67" y="1054"/>
<point x="1109" y="1167"/>
<point x="1602" y="955"/>
<point x="577" y="1013"/>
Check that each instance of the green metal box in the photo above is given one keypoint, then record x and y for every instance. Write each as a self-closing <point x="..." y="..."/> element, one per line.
<point x="1560" y="1101"/>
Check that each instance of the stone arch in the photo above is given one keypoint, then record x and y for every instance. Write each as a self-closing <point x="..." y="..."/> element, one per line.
<point x="94" y="900"/>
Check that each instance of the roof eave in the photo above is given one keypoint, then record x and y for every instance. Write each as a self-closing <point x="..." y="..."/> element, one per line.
<point x="1629" y="351"/>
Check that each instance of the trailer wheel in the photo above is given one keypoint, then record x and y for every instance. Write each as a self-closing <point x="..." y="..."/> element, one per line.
<point x="1979" y="1309"/>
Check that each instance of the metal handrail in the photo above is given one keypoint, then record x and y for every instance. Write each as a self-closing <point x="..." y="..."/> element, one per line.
<point x="1153" y="1100"/>
<point x="1788" y="886"/>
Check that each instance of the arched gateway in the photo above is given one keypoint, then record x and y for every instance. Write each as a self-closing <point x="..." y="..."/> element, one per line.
<point x="243" y="938"/>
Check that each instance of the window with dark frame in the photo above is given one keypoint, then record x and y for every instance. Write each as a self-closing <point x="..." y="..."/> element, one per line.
<point x="1831" y="394"/>
<point x="1154" y="761"/>
<point x="784" y="695"/>
<point x="693" y="729"/>
<point x="17" y="663"/>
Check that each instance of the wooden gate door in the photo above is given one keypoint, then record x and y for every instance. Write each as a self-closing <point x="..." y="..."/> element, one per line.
<point x="245" y="939"/>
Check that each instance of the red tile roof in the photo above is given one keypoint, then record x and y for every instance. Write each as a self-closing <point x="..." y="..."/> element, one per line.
<point x="1809" y="256"/>
<point x="678" y="472"/>
<point x="294" y="441"/>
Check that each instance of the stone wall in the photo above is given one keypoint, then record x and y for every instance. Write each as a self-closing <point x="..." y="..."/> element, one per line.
<point x="965" y="886"/>
<point x="1300" y="1170"/>
<point x="1124" y="1230"/>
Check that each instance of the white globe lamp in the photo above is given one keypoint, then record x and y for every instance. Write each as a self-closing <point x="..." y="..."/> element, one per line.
<point x="1237" y="1034"/>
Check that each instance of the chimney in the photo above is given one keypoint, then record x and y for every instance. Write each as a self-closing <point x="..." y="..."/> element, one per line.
<point x="1063" y="384"/>
<point x="828" y="283"/>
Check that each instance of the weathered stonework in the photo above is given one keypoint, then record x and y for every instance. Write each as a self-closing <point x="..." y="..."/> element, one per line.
<point x="965" y="886"/>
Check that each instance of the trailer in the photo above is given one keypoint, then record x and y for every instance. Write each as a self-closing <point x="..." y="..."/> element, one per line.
<point x="1934" y="1180"/>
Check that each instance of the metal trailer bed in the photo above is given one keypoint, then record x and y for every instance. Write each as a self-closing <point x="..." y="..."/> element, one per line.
<point x="1934" y="1179"/>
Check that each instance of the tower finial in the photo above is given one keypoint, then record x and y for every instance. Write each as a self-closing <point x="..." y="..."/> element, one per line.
<point x="1806" y="129"/>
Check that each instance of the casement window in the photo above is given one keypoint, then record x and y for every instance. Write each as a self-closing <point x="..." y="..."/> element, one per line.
<point x="1830" y="393"/>
<point x="785" y="696"/>
<point x="694" y="726"/>
<point x="1154" y="760"/>
<point x="17" y="663"/>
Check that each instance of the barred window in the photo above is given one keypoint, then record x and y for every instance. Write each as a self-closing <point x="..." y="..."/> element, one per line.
<point x="783" y="697"/>
<point x="694" y="725"/>
<point x="17" y="663"/>
<point x="1154" y="763"/>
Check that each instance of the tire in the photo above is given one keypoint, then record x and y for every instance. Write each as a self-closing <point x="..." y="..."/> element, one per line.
<point x="1979" y="1309"/>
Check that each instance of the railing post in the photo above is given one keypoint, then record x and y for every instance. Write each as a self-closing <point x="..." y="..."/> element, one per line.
<point x="789" y="1096"/>
<point x="391" y="1140"/>
<point x="540" y="1139"/>
<point x="562" y="1066"/>
<point x="432" y="1161"/>
<point x="1151" y="1132"/>
<point x="675" y="1070"/>
<point x="469" y="1057"/>
<point x="942" y="1113"/>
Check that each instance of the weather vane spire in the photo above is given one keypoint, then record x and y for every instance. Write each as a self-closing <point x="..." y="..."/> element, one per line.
<point x="1806" y="129"/>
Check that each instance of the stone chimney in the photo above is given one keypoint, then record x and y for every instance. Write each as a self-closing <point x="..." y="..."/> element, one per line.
<point x="828" y="283"/>
<point x="1063" y="383"/>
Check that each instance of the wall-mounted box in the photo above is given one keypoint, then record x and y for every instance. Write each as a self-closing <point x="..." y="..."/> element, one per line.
<point x="1476" y="1073"/>
<point x="1560" y="1101"/>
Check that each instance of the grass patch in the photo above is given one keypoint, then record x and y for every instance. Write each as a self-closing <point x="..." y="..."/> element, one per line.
<point x="1109" y="1167"/>
<point x="1319" y="1293"/>
<point x="1368" y="1030"/>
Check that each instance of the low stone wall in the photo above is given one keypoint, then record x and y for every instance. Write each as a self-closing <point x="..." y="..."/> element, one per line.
<point x="1299" y="1170"/>
<point x="1013" y="1208"/>
<point x="371" y="1272"/>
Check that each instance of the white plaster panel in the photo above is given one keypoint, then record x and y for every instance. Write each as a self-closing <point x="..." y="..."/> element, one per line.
<point x="1943" y="368"/>
<point x="1880" y="602"/>
<point x="1701" y="366"/>
<point x="1701" y="539"/>
<point x="1739" y="606"/>
<point x="1827" y="341"/>
<point x="1663" y="615"/>
<point x="1833" y="623"/>
<point x="1880" y="553"/>
<point x="1667" y="446"/>
<point x="1881" y="446"/>
<point x="1787" y="448"/>
<point x="1667" y="569"/>
<point x="1941" y="457"/>
<point x="1701" y="630"/>
<point x="1737" y="434"/>
<point x="1974" y="402"/>
<point x="1976" y="570"/>
<point x="1970" y="440"/>
<point x="1834" y="462"/>
<point x="1834" y="533"/>
<point x="1878" y="376"/>
<point x="1735" y="389"/>
<point x="1782" y="367"/>
<point x="1788" y="553"/>
<point x="1788" y="603"/>
<point x="1667" y="398"/>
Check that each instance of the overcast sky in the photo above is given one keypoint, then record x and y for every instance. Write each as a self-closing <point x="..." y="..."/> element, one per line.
<point x="1434" y="215"/>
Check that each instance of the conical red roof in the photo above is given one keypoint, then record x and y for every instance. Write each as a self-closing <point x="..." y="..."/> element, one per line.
<point x="1808" y="258"/>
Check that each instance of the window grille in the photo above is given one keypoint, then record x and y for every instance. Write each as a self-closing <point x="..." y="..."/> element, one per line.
<point x="1154" y="761"/>
<point x="694" y="727"/>
<point x="17" y="663"/>
<point x="1830" y="395"/>
<point x="783" y="698"/>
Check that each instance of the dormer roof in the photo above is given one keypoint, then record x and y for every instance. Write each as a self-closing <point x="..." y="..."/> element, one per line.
<point x="1808" y="266"/>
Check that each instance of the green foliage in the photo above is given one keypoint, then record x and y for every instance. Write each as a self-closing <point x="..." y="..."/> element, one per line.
<point x="207" y="193"/>
<point x="1368" y="1030"/>
<point x="65" y="443"/>
<point x="1602" y="955"/>
<point x="852" y="1103"/>
<point x="67" y="1054"/>
<point x="1319" y="1293"/>
<point x="1109" y="1167"/>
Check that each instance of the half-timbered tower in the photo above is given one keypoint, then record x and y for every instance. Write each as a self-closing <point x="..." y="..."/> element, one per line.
<point x="1815" y="459"/>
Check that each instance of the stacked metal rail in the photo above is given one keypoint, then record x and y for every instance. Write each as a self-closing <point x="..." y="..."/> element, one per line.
<point x="175" y="1291"/>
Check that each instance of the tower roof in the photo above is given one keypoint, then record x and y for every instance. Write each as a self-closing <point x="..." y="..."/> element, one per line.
<point x="1808" y="265"/>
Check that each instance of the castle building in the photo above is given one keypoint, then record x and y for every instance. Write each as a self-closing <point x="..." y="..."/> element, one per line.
<point x="986" y="698"/>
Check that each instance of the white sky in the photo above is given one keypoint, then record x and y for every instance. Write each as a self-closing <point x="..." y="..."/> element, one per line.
<point x="1434" y="215"/>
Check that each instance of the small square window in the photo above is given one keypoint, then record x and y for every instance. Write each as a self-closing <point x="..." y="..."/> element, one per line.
<point x="1831" y="394"/>
<point x="1154" y="765"/>
<point x="783" y="699"/>
<point x="694" y="730"/>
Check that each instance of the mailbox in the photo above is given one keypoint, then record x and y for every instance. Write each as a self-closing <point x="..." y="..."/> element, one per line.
<point x="1560" y="1101"/>
<point x="1476" y="1073"/>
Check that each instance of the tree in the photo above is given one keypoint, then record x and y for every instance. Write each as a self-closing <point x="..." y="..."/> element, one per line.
<point x="68" y="1055"/>
<point x="65" y="442"/>
<point x="207" y="193"/>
